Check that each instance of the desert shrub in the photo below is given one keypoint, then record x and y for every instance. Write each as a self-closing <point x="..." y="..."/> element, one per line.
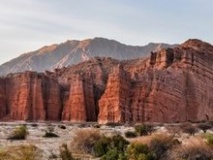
<point x="96" y="126"/>
<point x="65" y="153"/>
<point x="19" y="133"/>
<point x="118" y="142"/>
<point x="204" y="126"/>
<point x="23" y="152"/>
<point x="111" y="147"/>
<point x="101" y="146"/>
<point x="130" y="134"/>
<point x="49" y="133"/>
<point x="84" y="140"/>
<point x="111" y="154"/>
<point x="143" y="129"/>
<point x="62" y="126"/>
<point x="139" y="151"/>
<point x="160" y="144"/>
<point x="113" y="124"/>
<point x="194" y="149"/>
<point x="188" y="128"/>
<point x="209" y="138"/>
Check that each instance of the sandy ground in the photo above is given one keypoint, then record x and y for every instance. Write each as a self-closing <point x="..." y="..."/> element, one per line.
<point x="48" y="145"/>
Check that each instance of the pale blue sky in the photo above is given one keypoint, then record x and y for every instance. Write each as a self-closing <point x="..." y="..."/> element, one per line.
<point x="26" y="25"/>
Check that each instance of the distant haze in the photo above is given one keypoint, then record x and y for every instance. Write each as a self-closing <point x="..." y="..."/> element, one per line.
<point x="26" y="25"/>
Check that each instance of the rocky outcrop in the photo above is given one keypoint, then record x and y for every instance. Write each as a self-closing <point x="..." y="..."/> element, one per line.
<point x="3" y="107"/>
<point x="114" y="104"/>
<point x="31" y="96"/>
<point x="172" y="85"/>
<point x="80" y="107"/>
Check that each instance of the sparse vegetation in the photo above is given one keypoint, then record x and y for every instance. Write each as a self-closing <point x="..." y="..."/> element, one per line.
<point x="84" y="140"/>
<point x="204" y="126"/>
<point x="195" y="149"/>
<point x="139" y="151"/>
<point x="113" y="124"/>
<point x="188" y="128"/>
<point x="161" y="143"/>
<point x="62" y="126"/>
<point x="50" y="133"/>
<point x="19" y="133"/>
<point x="209" y="138"/>
<point x="143" y="129"/>
<point x="152" y="145"/>
<point x="101" y="146"/>
<point x="22" y="152"/>
<point x="65" y="153"/>
<point x="116" y="148"/>
<point x="130" y="134"/>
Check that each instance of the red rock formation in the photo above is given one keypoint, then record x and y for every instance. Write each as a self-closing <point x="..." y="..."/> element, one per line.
<point x="114" y="104"/>
<point x="31" y="96"/>
<point x="172" y="85"/>
<point x="3" y="107"/>
<point x="80" y="106"/>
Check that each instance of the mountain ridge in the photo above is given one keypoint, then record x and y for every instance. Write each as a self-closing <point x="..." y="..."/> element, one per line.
<point x="74" y="51"/>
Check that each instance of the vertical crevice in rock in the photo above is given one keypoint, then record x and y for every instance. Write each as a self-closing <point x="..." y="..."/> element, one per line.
<point x="75" y="109"/>
<point x="3" y="106"/>
<point x="114" y="103"/>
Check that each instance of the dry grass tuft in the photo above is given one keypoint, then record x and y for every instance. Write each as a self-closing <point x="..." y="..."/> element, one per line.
<point x="193" y="148"/>
<point x="84" y="140"/>
<point x="22" y="152"/>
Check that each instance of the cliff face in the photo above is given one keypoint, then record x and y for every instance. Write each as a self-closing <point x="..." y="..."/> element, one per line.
<point x="172" y="85"/>
<point x="114" y="103"/>
<point x="30" y="96"/>
<point x="80" y="107"/>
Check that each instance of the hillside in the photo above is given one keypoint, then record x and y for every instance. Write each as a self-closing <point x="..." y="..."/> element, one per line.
<point x="73" y="52"/>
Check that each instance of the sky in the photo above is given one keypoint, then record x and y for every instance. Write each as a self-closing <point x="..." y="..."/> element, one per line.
<point x="27" y="25"/>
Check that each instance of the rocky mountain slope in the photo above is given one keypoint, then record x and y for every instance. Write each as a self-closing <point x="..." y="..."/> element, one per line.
<point x="171" y="85"/>
<point x="73" y="52"/>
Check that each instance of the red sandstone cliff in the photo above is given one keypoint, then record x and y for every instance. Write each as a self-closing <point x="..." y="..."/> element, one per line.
<point x="30" y="96"/>
<point x="172" y="85"/>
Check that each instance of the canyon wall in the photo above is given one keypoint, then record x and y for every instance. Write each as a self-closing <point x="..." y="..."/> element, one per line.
<point x="171" y="85"/>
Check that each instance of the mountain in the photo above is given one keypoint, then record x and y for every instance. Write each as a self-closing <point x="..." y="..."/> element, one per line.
<point x="73" y="52"/>
<point x="170" y="85"/>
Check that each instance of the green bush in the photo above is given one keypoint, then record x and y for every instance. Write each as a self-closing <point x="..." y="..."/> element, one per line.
<point x="160" y="144"/>
<point x="143" y="129"/>
<point x="139" y="151"/>
<point x="50" y="135"/>
<point x="111" y="147"/>
<point x="119" y="143"/>
<point x="101" y="146"/>
<point x="111" y="154"/>
<point x="130" y="134"/>
<point x="65" y="153"/>
<point x="19" y="133"/>
<point x="209" y="138"/>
